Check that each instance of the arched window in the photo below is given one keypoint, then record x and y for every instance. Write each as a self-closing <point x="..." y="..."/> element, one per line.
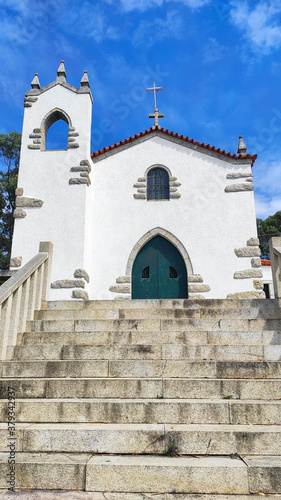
<point x="158" y="184"/>
<point x="55" y="130"/>
<point x="57" y="135"/>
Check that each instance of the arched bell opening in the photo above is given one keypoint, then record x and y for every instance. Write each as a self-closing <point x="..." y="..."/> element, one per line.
<point x="55" y="128"/>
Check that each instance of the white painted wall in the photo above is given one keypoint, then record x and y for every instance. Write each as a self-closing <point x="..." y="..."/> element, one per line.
<point x="45" y="175"/>
<point x="267" y="278"/>
<point x="209" y="222"/>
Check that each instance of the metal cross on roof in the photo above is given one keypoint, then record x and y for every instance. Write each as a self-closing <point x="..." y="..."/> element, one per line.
<point x="156" y="115"/>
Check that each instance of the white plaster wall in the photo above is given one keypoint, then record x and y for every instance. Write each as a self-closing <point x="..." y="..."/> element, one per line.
<point x="45" y="175"/>
<point x="267" y="278"/>
<point x="267" y="274"/>
<point x="209" y="222"/>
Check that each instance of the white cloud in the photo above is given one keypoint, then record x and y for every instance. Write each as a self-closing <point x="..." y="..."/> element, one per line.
<point x="267" y="182"/>
<point x="22" y="20"/>
<point x="94" y="21"/>
<point x="267" y="177"/>
<point x="16" y="5"/>
<point x="156" y="30"/>
<point x="260" y="25"/>
<point x="267" y="206"/>
<point x="91" y="20"/>
<point x="213" y="51"/>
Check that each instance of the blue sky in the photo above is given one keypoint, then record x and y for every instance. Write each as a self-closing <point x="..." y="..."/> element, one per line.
<point x="218" y="61"/>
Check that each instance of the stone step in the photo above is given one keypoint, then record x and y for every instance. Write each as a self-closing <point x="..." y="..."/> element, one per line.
<point x="146" y="351"/>
<point x="150" y="411"/>
<point x="68" y="352"/>
<point x="158" y="313"/>
<point x="46" y="470"/>
<point x="154" y="337"/>
<point x="147" y="474"/>
<point x="142" y="368"/>
<point x="155" y="474"/>
<point x="185" y="474"/>
<point x="109" y="495"/>
<point x="192" y="439"/>
<point x="183" y="325"/>
<point x="164" y="303"/>
<point x="265" y="389"/>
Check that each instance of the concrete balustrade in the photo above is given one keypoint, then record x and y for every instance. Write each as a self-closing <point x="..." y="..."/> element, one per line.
<point x="22" y="294"/>
<point x="275" y="256"/>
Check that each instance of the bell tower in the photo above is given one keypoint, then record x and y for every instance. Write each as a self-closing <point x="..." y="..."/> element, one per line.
<point x="53" y="185"/>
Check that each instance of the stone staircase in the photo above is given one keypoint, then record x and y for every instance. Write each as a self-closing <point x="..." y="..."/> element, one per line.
<point x="103" y="388"/>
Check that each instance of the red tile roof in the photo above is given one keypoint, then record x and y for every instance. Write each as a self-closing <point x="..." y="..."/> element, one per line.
<point x="265" y="262"/>
<point x="177" y="136"/>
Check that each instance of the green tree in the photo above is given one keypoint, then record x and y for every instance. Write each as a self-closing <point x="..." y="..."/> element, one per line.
<point x="266" y="229"/>
<point x="9" y="166"/>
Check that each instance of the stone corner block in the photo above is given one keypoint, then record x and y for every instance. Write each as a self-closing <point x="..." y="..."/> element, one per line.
<point x="195" y="288"/>
<point x="246" y="295"/>
<point x="120" y="288"/>
<point x="253" y="242"/>
<point x="258" y="284"/>
<point x="195" y="278"/>
<point x="238" y="175"/>
<point x="68" y="284"/>
<point x="248" y="252"/>
<point x="19" y="213"/>
<point x="87" y="164"/>
<point x="19" y="192"/>
<point x="80" y="294"/>
<point x="256" y="262"/>
<point x="78" y="180"/>
<point x="22" y="201"/>
<point x="196" y="296"/>
<point x="235" y="188"/>
<point x="123" y="279"/>
<point x="121" y="297"/>
<point x="140" y="196"/>
<point x="16" y="262"/>
<point x="248" y="273"/>
<point x="81" y="273"/>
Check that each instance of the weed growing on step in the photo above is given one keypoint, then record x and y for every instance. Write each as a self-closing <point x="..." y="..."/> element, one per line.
<point x="227" y="397"/>
<point x="172" y="451"/>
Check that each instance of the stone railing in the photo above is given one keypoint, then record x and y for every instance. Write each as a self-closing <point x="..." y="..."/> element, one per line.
<point x="22" y="294"/>
<point x="275" y="257"/>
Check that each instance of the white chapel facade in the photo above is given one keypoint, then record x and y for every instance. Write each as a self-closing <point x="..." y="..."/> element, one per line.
<point x="157" y="215"/>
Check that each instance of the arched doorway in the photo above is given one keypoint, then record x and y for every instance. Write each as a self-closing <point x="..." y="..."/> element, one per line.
<point x="159" y="271"/>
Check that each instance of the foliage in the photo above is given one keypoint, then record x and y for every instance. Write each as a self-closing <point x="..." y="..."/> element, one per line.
<point x="266" y="229"/>
<point x="9" y="165"/>
<point x="172" y="451"/>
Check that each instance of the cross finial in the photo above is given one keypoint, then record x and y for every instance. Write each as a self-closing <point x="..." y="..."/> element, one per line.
<point x="156" y="115"/>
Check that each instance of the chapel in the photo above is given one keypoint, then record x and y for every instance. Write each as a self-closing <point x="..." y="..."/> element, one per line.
<point x="155" y="216"/>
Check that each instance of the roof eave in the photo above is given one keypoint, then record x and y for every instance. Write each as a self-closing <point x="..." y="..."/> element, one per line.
<point x="174" y="137"/>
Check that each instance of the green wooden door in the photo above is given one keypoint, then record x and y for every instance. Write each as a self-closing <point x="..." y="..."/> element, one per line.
<point x="159" y="272"/>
